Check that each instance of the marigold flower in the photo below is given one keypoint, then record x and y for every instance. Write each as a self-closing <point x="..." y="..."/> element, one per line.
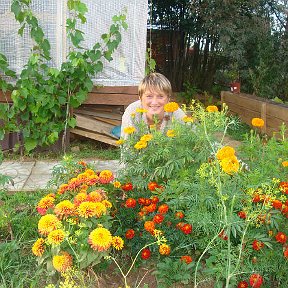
<point x="230" y="165"/>
<point x="179" y="215"/>
<point x="62" y="262"/>
<point x="242" y="284"/>
<point x="212" y="108"/>
<point x="89" y="172"/>
<point x="106" y="176"/>
<point x="170" y="133"/>
<point x="285" y="163"/>
<point x="141" y="110"/>
<point x="89" y="209"/>
<point x="117" y="184"/>
<point x="225" y="152"/>
<point x="48" y="223"/>
<point x="163" y="208"/>
<point x="285" y="253"/>
<point x="186" y="258"/>
<point x="64" y="208"/>
<point x="62" y="188"/>
<point x="164" y="249"/>
<point x="130" y="233"/>
<point x="140" y="145"/>
<point x="284" y="187"/>
<point x="117" y="242"/>
<point x="130" y="203"/>
<point x="158" y="218"/>
<point x="107" y="203"/>
<point x="146" y="137"/>
<point x="129" y="130"/>
<point x="150" y="208"/>
<point x="127" y="187"/>
<point x="56" y="237"/>
<point x="145" y="254"/>
<point x="242" y="214"/>
<point x="186" y="229"/>
<point x="44" y="204"/>
<point x="79" y="198"/>
<point x="171" y="107"/>
<point x="100" y="239"/>
<point x="257" y="122"/>
<point x="256" y="280"/>
<point x="38" y="247"/>
<point x="277" y="204"/>
<point x="281" y="237"/>
<point x="188" y="119"/>
<point x="154" y="200"/>
<point x="96" y="196"/>
<point x="149" y="226"/>
<point x="257" y="245"/>
<point x="120" y="142"/>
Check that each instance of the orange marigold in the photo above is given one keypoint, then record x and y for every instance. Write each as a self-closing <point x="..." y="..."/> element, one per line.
<point x="106" y="176"/>
<point x="171" y="107"/>
<point x="163" y="208"/>
<point x="79" y="198"/>
<point x="62" y="188"/>
<point x="187" y="259"/>
<point x="56" y="237"/>
<point x="230" y="165"/>
<point x="62" y="262"/>
<point x="117" y="242"/>
<point x="96" y="196"/>
<point x="38" y="247"/>
<point x="44" y="204"/>
<point x="64" y="208"/>
<point x="48" y="223"/>
<point x="257" y="122"/>
<point x="100" y="239"/>
<point x="164" y="249"/>
<point x="149" y="226"/>
<point x="285" y="163"/>
<point x="225" y="152"/>
<point x="211" y="108"/>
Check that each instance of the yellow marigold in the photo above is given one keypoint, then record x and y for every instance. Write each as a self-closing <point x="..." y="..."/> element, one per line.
<point x="48" y="223"/>
<point x="225" y="152"/>
<point x="64" y="208"/>
<point x="46" y="202"/>
<point x="141" y="110"/>
<point x="106" y="176"/>
<point x="38" y="247"/>
<point x="132" y="115"/>
<point x="211" y="108"/>
<point x="87" y="209"/>
<point x="117" y="184"/>
<point x="62" y="188"/>
<point x="95" y="196"/>
<point x="171" y="107"/>
<point x="188" y="119"/>
<point x="257" y="122"/>
<point x="285" y="163"/>
<point x="171" y="133"/>
<point x="89" y="172"/>
<point x="164" y="249"/>
<point x="117" y="242"/>
<point x="100" y="209"/>
<point x="79" y="198"/>
<point x="120" y="141"/>
<point x="62" y="262"/>
<point x="84" y="187"/>
<point x="56" y="237"/>
<point x="100" y="239"/>
<point x="107" y="204"/>
<point x="140" y="145"/>
<point x="129" y="130"/>
<point x="146" y="137"/>
<point x="230" y="165"/>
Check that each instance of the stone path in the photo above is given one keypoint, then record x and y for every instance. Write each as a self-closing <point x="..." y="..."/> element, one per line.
<point x="33" y="175"/>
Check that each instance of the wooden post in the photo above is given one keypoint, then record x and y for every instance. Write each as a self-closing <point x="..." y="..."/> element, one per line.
<point x="263" y="116"/>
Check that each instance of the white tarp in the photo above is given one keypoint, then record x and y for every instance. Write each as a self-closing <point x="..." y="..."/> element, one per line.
<point x="128" y="65"/>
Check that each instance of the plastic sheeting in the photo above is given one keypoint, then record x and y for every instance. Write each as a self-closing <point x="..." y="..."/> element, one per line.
<point x="128" y="65"/>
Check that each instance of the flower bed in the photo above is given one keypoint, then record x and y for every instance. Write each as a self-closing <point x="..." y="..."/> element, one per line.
<point x="194" y="209"/>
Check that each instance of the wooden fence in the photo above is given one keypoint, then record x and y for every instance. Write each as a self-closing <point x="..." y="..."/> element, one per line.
<point x="248" y="106"/>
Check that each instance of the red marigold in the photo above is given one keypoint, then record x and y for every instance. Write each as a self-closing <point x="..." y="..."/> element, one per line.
<point x="130" y="203"/>
<point x="186" y="228"/>
<point x="223" y="235"/>
<point x="163" y="208"/>
<point x="149" y="226"/>
<point x="145" y="254"/>
<point x="130" y="234"/>
<point x="242" y="284"/>
<point x="281" y="237"/>
<point x="179" y="215"/>
<point x="127" y="187"/>
<point x="152" y="186"/>
<point x="277" y="204"/>
<point x="257" y="245"/>
<point x="284" y="187"/>
<point x="150" y="208"/>
<point x="154" y="199"/>
<point x="256" y="198"/>
<point x="179" y="225"/>
<point x="141" y="201"/>
<point x="158" y="218"/>
<point x="285" y="253"/>
<point x="186" y="258"/>
<point x="256" y="280"/>
<point x="242" y="214"/>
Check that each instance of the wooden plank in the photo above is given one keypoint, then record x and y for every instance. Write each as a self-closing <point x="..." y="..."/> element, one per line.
<point x="94" y="136"/>
<point x="263" y="116"/>
<point x="278" y="110"/>
<point x="4" y="98"/>
<point x="106" y="115"/>
<point x="109" y="121"/>
<point x="110" y="99"/>
<point x="107" y="108"/>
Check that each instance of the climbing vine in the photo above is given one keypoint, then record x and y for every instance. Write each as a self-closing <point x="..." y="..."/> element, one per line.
<point x="42" y="96"/>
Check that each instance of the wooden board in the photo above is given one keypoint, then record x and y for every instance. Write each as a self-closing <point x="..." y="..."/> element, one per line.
<point x="94" y="136"/>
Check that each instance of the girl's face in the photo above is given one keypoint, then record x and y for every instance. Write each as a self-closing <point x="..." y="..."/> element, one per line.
<point x="153" y="101"/>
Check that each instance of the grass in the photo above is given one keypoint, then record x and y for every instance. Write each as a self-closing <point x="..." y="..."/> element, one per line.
<point x="78" y="148"/>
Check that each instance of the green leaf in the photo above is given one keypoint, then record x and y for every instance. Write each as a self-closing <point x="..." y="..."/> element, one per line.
<point x="72" y="122"/>
<point x="16" y="8"/>
<point x="30" y="144"/>
<point x="53" y="137"/>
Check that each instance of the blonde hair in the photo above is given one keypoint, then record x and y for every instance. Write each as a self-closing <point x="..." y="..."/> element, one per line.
<point x="155" y="81"/>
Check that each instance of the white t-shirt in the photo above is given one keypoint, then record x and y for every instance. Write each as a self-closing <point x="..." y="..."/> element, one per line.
<point x="128" y="121"/>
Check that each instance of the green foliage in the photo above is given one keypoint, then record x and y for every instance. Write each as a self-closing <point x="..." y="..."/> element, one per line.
<point x="43" y="96"/>
<point x="189" y="93"/>
<point x="150" y="62"/>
